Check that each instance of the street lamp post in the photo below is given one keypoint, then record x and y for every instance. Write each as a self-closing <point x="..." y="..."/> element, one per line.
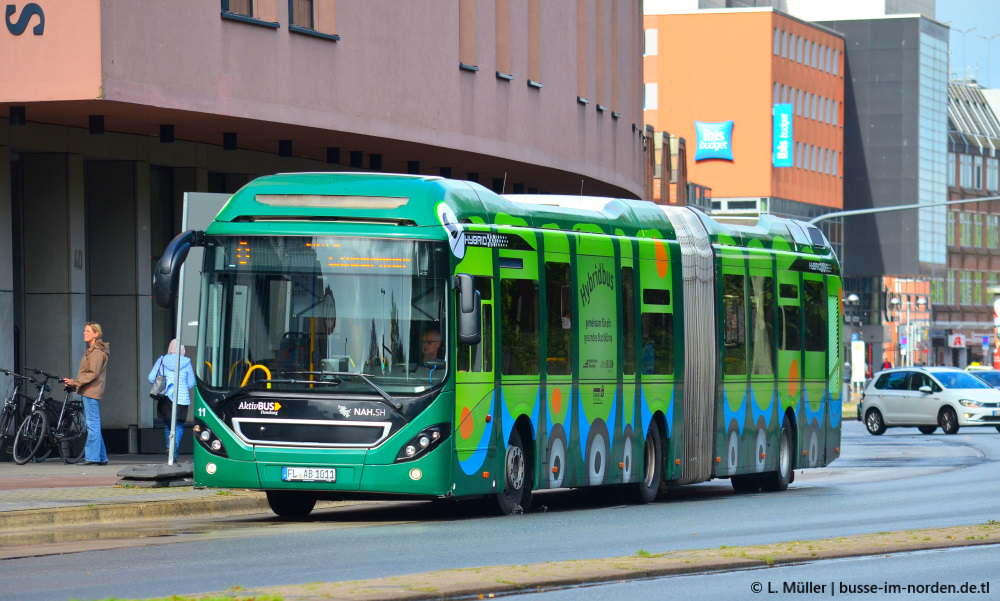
<point x="906" y="355"/>
<point x="988" y="61"/>
<point x="963" y="32"/>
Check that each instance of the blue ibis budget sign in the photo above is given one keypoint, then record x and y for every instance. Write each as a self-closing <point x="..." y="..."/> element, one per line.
<point x="781" y="152"/>
<point x="714" y="140"/>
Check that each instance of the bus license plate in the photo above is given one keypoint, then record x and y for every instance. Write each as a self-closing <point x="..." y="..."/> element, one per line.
<point x="308" y="474"/>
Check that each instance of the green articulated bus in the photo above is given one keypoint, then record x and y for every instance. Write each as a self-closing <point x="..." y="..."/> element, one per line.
<point x="391" y="336"/>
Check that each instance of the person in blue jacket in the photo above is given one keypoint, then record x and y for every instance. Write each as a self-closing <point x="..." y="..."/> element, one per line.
<point x="166" y="365"/>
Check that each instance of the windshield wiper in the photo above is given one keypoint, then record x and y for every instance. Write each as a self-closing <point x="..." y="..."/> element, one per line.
<point x="346" y="374"/>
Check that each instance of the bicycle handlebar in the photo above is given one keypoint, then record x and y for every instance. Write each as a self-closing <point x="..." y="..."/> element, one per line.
<point x="46" y="375"/>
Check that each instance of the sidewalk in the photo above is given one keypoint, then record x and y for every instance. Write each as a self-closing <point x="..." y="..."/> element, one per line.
<point x="53" y="493"/>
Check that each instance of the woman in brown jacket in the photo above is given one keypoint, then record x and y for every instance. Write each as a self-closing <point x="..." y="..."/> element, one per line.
<point x="89" y="385"/>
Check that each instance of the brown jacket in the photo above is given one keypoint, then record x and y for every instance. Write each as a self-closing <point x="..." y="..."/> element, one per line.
<point x="89" y="380"/>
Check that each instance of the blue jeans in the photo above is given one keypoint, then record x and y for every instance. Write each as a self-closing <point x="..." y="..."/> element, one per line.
<point x="177" y="441"/>
<point x="94" y="449"/>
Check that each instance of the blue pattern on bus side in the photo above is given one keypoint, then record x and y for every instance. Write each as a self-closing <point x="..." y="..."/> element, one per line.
<point x="740" y="415"/>
<point x="670" y="414"/>
<point x="584" y="431"/>
<point x="810" y="414"/>
<point x="757" y="412"/>
<point x="611" y="420"/>
<point x="472" y="465"/>
<point x="836" y="407"/>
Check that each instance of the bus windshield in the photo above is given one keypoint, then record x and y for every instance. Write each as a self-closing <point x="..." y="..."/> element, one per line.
<point x="323" y="315"/>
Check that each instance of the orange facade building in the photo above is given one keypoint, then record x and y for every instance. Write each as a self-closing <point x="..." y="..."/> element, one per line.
<point x="735" y="65"/>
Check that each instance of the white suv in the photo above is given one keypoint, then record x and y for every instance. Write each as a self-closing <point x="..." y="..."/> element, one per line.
<point x="928" y="397"/>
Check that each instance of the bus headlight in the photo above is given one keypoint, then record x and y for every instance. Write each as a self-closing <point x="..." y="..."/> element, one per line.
<point x="424" y="442"/>
<point x="209" y="440"/>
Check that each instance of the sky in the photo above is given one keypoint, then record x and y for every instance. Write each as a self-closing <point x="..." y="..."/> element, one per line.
<point x="971" y="55"/>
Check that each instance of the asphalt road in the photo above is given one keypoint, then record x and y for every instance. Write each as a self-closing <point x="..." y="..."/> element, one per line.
<point x="903" y="576"/>
<point x="896" y="481"/>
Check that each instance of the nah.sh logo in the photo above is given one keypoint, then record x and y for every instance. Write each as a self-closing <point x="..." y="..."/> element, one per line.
<point x="714" y="140"/>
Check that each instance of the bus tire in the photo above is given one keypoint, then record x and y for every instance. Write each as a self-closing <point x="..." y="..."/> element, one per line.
<point x="290" y="504"/>
<point x="779" y="479"/>
<point x="645" y="490"/>
<point x="515" y="482"/>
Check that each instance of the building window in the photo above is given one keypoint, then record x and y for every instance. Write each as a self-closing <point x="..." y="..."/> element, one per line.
<point x="797" y="159"/>
<point x="777" y="93"/>
<point x="992" y="174"/>
<point x="965" y="229"/>
<point x="650" y="95"/>
<point x="977" y="172"/>
<point x="937" y="292"/>
<point x="836" y="163"/>
<point x="238" y="7"/>
<point x="777" y="41"/>
<point x="302" y="14"/>
<point x="951" y="228"/>
<point x="965" y="287"/>
<point x="784" y="44"/>
<point x="813" y="59"/>
<point x="965" y="170"/>
<point x="784" y="93"/>
<point x="798" y="102"/>
<point x="977" y="289"/>
<point x="993" y="231"/>
<point x="951" y="169"/>
<point x="467" y="35"/>
<point x="836" y="62"/>
<point x="836" y="111"/>
<point x="977" y="230"/>
<point x="651" y="42"/>
<point x="801" y="57"/>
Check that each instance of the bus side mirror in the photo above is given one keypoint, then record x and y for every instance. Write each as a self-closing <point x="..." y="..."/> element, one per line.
<point x="469" y="309"/>
<point x="166" y="276"/>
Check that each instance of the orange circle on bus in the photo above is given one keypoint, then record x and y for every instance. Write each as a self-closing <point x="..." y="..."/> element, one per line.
<point x="465" y="423"/>
<point x="556" y="400"/>
<point x="793" y="378"/>
<point x="662" y="260"/>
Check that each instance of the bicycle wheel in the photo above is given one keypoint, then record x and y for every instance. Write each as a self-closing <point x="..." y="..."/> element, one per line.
<point x="72" y="437"/>
<point x="6" y="424"/>
<point x="30" y="437"/>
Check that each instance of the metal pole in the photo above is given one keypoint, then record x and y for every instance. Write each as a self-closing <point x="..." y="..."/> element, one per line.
<point x="927" y="205"/>
<point x="177" y="363"/>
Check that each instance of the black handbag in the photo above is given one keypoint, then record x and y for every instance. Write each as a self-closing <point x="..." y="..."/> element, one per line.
<point x="159" y="389"/>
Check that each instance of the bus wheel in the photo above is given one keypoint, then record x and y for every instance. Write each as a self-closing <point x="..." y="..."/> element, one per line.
<point x="516" y="487"/>
<point x="652" y="467"/>
<point x="289" y="504"/>
<point x="778" y="480"/>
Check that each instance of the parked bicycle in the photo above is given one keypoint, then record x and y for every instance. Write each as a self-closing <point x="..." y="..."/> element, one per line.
<point x="51" y="425"/>
<point x="10" y="413"/>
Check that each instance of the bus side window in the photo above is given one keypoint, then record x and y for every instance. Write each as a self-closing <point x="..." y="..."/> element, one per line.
<point x="558" y="319"/>
<point x="734" y="340"/>
<point x="657" y="354"/>
<point x="479" y="358"/>
<point x="814" y="302"/>
<point x="790" y="332"/>
<point x="628" y="319"/>
<point x="762" y="324"/>
<point x="519" y="327"/>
